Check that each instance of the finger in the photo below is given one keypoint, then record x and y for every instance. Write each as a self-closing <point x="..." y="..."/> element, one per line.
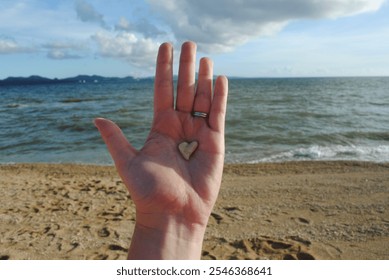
<point x="186" y="77"/>
<point x="217" y="114"/>
<point x="203" y="95"/>
<point x="118" y="146"/>
<point x="163" y="85"/>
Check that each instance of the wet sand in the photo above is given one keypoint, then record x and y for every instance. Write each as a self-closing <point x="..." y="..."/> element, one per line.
<point x="295" y="210"/>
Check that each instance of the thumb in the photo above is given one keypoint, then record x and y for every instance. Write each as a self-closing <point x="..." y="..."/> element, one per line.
<point x="118" y="146"/>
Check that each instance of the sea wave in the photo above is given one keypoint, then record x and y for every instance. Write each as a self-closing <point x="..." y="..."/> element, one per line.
<point x="378" y="153"/>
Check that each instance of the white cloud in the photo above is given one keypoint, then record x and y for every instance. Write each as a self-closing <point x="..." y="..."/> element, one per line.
<point x="60" y="54"/>
<point x="61" y="50"/>
<point x="221" y="25"/>
<point x="143" y="26"/>
<point x="87" y="13"/>
<point x="9" y="46"/>
<point x="137" y="51"/>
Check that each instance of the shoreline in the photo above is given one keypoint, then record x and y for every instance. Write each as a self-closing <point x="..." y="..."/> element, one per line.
<point x="288" y="210"/>
<point x="228" y="164"/>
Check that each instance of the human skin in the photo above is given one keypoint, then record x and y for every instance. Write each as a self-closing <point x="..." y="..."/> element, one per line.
<point x="173" y="196"/>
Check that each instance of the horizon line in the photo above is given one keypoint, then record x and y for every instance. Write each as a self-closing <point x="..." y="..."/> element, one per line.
<point x="175" y="75"/>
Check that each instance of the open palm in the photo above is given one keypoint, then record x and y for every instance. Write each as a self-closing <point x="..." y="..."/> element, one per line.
<point x="161" y="181"/>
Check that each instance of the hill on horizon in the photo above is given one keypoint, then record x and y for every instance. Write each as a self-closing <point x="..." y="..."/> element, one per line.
<point x="81" y="79"/>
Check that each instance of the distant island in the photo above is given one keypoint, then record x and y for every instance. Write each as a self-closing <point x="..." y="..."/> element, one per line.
<point x="80" y="79"/>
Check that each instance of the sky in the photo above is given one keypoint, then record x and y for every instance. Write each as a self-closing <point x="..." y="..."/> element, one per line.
<point x="245" y="38"/>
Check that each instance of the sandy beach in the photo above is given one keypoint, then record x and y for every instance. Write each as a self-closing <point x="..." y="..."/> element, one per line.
<point x="295" y="210"/>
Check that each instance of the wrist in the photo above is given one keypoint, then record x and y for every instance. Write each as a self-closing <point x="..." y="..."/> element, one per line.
<point x="166" y="237"/>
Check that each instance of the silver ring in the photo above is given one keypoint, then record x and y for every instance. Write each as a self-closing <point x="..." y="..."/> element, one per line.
<point x="200" y="114"/>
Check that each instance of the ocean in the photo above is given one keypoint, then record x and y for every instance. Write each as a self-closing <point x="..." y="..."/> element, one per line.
<point x="268" y="120"/>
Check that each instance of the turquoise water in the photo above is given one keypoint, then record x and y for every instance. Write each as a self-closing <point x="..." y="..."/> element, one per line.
<point x="268" y="120"/>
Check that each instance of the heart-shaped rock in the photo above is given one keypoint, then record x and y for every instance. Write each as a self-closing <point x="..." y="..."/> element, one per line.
<point x="187" y="149"/>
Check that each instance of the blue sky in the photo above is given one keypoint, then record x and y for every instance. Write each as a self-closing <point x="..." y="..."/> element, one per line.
<point x="250" y="38"/>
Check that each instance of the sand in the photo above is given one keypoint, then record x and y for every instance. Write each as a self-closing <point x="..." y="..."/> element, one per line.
<point x="297" y="210"/>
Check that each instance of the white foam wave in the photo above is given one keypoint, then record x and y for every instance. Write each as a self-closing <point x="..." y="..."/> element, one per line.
<point x="379" y="153"/>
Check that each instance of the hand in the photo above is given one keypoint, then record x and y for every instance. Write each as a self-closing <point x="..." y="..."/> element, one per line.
<point x="174" y="196"/>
